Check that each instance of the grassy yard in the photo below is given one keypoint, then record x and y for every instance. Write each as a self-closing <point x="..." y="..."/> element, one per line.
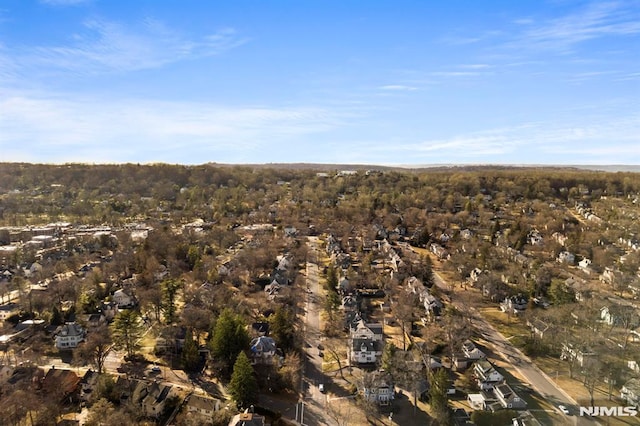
<point x="509" y="326"/>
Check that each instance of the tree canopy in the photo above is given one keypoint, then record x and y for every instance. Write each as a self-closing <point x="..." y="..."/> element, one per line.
<point x="230" y="337"/>
<point x="243" y="387"/>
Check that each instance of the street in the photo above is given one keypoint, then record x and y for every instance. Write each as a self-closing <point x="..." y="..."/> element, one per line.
<point x="518" y="361"/>
<point x="312" y="404"/>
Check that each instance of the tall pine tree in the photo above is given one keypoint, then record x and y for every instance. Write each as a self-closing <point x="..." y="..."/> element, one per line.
<point x="282" y="328"/>
<point x="243" y="386"/>
<point x="229" y="338"/>
<point x="127" y="330"/>
<point x="438" y="396"/>
<point x="190" y="355"/>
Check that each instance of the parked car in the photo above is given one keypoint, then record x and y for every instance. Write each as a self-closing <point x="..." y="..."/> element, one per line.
<point x="321" y="387"/>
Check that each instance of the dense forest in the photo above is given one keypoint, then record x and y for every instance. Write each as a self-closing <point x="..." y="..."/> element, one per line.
<point x="116" y="193"/>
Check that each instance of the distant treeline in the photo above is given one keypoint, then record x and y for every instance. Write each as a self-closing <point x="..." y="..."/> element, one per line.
<point x="111" y="193"/>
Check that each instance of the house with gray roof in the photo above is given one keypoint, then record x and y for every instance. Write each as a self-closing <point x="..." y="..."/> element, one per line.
<point x="263" y="350"/>
<point x="365" y="351"/>
<point x="69" y="335"/>
<point x="508" y="398"/>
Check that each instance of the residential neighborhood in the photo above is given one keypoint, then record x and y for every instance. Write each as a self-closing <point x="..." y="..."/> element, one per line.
<point x="299" y="307"/>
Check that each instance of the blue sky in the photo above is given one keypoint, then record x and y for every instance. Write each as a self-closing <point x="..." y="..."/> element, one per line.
<point x="377" y="82"/>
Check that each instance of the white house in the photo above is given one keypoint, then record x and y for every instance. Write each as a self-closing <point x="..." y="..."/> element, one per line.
<point x="630" y="392"/>
<point x="202" y="407"/>
<point x="371" y="331"/>
<point x="477" y="401"/>
<point x="609" y="275"/>
<point x="566" y="257"/>
<point x="514" y="304"/>
<point x="582" y="355"/>
<point x="123" y="300"/>
<point x="471" y="351"/>
<point x="431" y="304"/>
<point x="508" y="398"/>
<point x="486" y="374"/>
<point x="377" y="387"/>
<point x="585" y="264"/>
<point x="365" y="351"/>
<point x="69" y="335"/>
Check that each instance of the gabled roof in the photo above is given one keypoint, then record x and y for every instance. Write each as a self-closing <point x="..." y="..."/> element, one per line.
<point x="203" y="402"/>
<point x="263" y="344"/>
<point x="360" y="326"/>
<point x="504" y="390"/>
<point x="483" y="365"/>
<point x="70" y="329"/>
<point x="377" y="379"/>
<point x="370" y="345"/>
<point x="59" y="380"/>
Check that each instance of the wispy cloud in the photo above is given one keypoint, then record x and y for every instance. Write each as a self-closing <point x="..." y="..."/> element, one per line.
<point x="599" y="19"/>
<point x="144" y="130"/>
<point x="398" y="87"/>
<point x="475" y="66"/>
<point x="629" y="76"/>
<point x="604" y="141"/>
<point x="455" y="73"/>
<point x="592" y="75"/>
<point x="109" y="46"/>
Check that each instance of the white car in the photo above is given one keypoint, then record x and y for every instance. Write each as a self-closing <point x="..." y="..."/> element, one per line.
<point x="321" y="387"/>
<point x="564" y="409"/>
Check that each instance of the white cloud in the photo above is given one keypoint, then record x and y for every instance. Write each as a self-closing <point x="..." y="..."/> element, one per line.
<point x="398" y="87"/>
<point x="597" y="20"/>
<point x="58" y="128"/>
<point x="454" y="73"/>
<point x="603" y="140"/>
<point x="109" y="46"/>
<point x="475" y="66"/>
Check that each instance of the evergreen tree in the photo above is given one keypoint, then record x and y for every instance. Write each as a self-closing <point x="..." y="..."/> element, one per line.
<point x="190" y="355"/>
<point x="282" y="328"/>
<point x="169" y="291"/>
<point x="561" y="294"/>
<point x="229" y="338"/>
<point x="427" y="271"/>
<point x="332" y="279"/>
<point x="243" y="386"/>
<point x="127" y="330"/>
<point x="495" y="228"/>
<point x="56" y="316"/>
<point x="438" y="396"/>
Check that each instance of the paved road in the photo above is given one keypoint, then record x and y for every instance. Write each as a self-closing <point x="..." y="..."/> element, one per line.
<point x="314" y="400"/>
<point x="519" y="361"/>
